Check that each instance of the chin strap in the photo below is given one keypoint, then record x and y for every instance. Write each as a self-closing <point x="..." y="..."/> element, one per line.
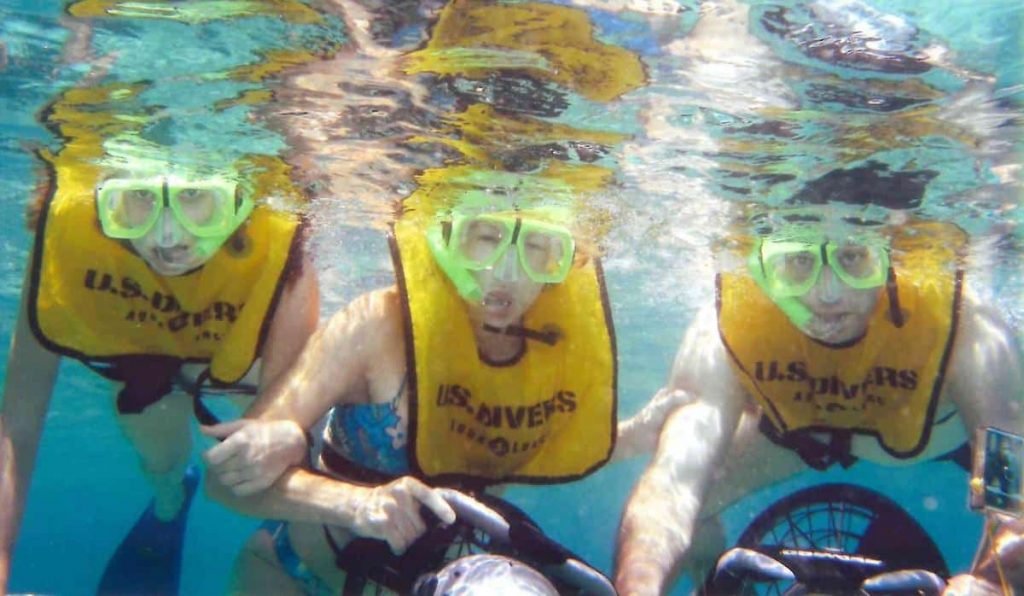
<point x="549" y="335"/>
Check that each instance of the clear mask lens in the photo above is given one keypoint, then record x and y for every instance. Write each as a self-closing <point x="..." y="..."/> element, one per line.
<point x="544" y="250"/>
<point x="481" y="241"/>
<point x="203" y="208"/>
<point x="133" y="208"/>
<point x="793" y="268"/>
<point x="543" y="255"/>
<point x="860" y="266"/>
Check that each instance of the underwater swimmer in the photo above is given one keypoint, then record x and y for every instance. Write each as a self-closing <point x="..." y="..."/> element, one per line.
<point x="481" y="325"/>
<point x="138" y="276"/>
<point x="818" y="310"/>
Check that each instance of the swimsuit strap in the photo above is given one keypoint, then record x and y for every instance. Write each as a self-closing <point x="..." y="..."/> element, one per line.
<point x="341" y="466"/>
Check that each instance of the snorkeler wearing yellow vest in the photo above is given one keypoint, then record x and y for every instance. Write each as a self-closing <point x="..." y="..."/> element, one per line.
<point x="834" y="343"/>
<point x="884" y="383"/>
<point x="158" y="279"/>
<point x="492" y="362"/>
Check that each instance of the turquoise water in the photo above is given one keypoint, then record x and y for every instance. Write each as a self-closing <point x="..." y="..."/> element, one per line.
<point x="715" y="125"/>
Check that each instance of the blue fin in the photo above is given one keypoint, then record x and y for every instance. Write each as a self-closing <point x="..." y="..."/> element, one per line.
<point x="148" y="560"/>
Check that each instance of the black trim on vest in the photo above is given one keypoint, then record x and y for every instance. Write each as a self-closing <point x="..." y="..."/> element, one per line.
<point x="296" y="244"/>
<point x="940" y="375"/>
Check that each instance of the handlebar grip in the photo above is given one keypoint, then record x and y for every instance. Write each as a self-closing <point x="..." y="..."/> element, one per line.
<point x="477" y="515"/>
<point x="743" y="562"/>
<point x="905" y="580"/>
<point x="553" y="558"/>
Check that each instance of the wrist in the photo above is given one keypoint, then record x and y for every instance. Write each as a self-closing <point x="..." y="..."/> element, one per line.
<point x="635" y="584"/>
<point x="638" y="578"/>
<point x="301" y="441"/>
<point x="346" y="501"/>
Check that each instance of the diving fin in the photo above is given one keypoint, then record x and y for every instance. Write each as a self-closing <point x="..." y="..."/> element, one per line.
<point x="148" y="560"/>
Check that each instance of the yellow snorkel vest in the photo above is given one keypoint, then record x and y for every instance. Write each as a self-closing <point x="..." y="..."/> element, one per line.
<point x="887" y="384"/>
<point x="93" y="299"/>
<point x="548" y="417"/>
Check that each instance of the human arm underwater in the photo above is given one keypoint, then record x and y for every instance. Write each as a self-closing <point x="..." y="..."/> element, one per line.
<point x="294" y="322"/>
<point x="31" y="373"/>
<point x="661" y="513"/>
<point x="273" y="430"/>
<point x="984" y="381"/>
<point x="283" y="443"/>
<point x="639" y="435"/>
<point x="335" y="364"/>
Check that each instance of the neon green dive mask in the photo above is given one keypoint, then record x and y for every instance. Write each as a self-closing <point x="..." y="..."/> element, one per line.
<point x="787" y="270"/>
<point x="208" y="209"/>
<point x="469" y="243"/>
<point x="792" y="268"/>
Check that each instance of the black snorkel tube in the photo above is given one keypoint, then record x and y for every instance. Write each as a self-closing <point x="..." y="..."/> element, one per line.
<point x="549" y="335"/>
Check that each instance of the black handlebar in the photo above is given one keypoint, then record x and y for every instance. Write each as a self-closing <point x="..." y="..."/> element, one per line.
<point x="540" y="551"/>
<point x="817" y="570"/>
<point x="510" y="532"/>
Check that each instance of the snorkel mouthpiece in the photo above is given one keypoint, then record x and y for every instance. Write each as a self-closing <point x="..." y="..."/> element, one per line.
<point x="549" y="335"/>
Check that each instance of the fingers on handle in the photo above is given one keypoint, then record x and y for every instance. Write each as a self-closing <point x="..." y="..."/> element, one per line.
<point x="432" y="500"/>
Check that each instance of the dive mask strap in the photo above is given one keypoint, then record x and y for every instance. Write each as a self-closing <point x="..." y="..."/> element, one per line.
<point x="891" y="289"/>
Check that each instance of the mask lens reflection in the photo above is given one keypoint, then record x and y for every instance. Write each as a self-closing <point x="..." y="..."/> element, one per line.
<point x="202" y="207"/>
<point x="793" y="271"/>
<point x="861" y="263"/>
<point x="544" y="253"/>
<point x="131" y="208"/>
<point x="480" y="241"/>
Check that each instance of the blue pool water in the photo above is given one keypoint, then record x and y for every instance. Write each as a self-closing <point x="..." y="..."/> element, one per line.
<point x="741" y="117"/>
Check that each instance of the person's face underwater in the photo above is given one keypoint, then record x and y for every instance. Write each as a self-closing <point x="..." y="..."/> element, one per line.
<point x="840" y="313"/>
<point x="507" y="292"/>
<point x="838" y="283"/>
<point x="169" y="249"/>
<point x="510" y="259"/>
<point x="174" y="225"/>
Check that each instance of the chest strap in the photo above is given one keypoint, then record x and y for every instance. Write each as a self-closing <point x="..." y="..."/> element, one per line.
<point x="815" y="453"/>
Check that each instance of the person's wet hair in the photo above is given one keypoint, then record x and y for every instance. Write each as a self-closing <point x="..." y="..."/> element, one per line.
<point x="869" y="184"/>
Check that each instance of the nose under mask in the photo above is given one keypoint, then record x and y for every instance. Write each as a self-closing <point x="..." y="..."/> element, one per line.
<point x="507" y="268"/>
<point x="831" y="290"/>
<point x="169" y="232"/>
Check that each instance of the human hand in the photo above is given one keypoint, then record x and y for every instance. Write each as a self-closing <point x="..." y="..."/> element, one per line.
<point x="640" y="433"/>
<point x="665" y="401"/>
<point x="391" y="512"/>
<point x="253" y="453"/>
<point x="966" y="584"/>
